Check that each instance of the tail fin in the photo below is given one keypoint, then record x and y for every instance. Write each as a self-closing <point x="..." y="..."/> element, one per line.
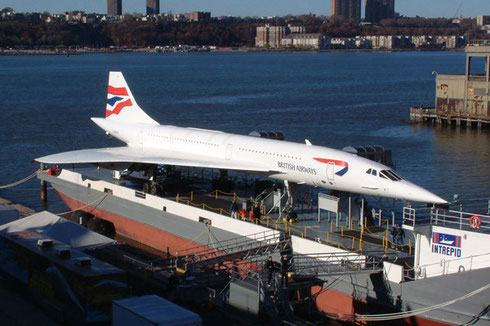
<point x="121" y="104"/>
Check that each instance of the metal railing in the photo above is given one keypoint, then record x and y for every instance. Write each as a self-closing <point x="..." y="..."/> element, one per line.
<point x="237" y="248"/>
<point x="333" y="264"/>
<point x="409" y="216"/>
<point x="478" y="220"/>
<point x="460" y="219"/>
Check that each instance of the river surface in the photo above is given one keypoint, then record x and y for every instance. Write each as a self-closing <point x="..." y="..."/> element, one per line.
<point x="332" y="99"/>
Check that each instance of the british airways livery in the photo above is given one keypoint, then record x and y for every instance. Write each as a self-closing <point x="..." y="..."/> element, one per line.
<point x="148" y="142"/>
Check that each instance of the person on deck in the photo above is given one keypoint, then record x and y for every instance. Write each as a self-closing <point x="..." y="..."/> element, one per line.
<point x="397" y="234"/>
<point x="257" y="213"/>
<point x="234" y="209"/>
<point x="284" y="270"/>
<point x="269" y="267"/>
<point x="400" y="235"/>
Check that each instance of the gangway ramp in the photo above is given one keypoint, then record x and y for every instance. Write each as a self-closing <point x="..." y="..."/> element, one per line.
<point x="328" y="264"/>
<point x="245" y="248"/>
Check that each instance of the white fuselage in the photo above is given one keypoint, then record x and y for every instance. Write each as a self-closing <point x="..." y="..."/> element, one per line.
<point x="299" y="163"/>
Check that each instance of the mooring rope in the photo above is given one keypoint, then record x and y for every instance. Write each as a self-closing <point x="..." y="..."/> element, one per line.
<point x="19" y="182"/>
<point x="411" y="313"/>
<point x="89" y="204"/>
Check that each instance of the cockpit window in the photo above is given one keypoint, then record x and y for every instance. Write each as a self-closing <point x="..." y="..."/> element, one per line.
<point x="392" y="175"/>
<point x="375" y="172"/>
<point x="382" y="175"/>
<point x="395" y="173"/>
<point x="369" y="171"/>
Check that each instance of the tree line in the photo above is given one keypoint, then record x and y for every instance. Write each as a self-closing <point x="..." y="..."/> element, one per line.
<point x="241" y="32"/>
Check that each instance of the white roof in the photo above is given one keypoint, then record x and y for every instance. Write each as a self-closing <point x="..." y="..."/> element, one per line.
<point x="58" y="228"/>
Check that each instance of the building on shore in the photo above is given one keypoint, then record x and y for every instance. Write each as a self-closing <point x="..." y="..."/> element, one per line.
<point x="347" y="10"/>
<point x="296" y="29"/>
<point x="389" y="41"/>
<point x="152" y="7"/>
<point x="483" y="20"/>
<point x="273" y="37"/>
<point x="377" y="10"/>
<point x="114" y="7"/>
<point x="198" y="16"/>
<point x="269" y="36"/>
<point x="303" y="40"/>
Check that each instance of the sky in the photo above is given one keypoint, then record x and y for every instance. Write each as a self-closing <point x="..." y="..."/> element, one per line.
<point x="409" y="8"/>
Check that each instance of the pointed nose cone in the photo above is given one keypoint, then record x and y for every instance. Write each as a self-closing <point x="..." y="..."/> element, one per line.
<point x="433" y="198"/>
<point x="419" y="194"/>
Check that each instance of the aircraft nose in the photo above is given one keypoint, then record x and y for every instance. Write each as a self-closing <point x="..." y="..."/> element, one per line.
<point x="420" y="194"/>
<point x="434" y="199"/>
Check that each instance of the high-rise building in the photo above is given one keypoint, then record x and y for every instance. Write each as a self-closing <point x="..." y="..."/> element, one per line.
<point x="152" y="7"/>
<point x="483" y="20"/>
<point x="348" y="10"/>
<point x="269" y="36"/>
<point x="114" y="7"/>
<point x="377" y="10"/>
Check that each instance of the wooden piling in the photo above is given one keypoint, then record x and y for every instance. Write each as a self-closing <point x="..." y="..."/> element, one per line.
<point x="44" y="188"/>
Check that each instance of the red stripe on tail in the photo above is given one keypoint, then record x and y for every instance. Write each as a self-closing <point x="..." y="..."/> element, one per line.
<point x="118" y="108"/>
<point x="117" y="91"/>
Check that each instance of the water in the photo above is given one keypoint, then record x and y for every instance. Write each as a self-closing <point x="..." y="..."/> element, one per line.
<point x="333" y="99"/>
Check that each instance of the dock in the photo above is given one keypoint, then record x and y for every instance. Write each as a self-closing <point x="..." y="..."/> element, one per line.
<point x="461" y="100"/>
<point x="23" y="210"/>
<point x="432" y="117"/>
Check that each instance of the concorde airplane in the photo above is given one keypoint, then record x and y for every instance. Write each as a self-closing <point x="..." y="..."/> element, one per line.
<point x="148" y="142"/>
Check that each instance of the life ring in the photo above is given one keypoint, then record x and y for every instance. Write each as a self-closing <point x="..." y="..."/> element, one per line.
<point x="475" y="222"/>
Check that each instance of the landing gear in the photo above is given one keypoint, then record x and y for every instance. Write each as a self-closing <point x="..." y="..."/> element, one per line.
<point x="155" y="189"/>
<point x="146" y="187"/>
<point x="152" y="187"/>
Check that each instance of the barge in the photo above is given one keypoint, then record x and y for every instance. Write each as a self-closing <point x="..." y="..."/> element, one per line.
<point x="441" y="278"/>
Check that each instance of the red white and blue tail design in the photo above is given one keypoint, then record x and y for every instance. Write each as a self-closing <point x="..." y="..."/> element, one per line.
<point x="121" y="104"/>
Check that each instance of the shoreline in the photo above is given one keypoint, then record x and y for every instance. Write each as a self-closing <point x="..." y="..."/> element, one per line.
<point x="221" y="50"/>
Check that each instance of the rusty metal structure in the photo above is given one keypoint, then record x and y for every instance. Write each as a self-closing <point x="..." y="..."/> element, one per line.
<point x="466" y="96"/>
<point x="462" y="100"/>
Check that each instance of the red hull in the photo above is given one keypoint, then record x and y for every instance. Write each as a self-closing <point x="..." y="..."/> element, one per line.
<point x="343" y="307"/>
<point x="155" y="238"/>
<point x="140" y="232"/>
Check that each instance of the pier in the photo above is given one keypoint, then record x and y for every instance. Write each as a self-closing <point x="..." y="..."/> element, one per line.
<point x="461" y="100"/>
<point x="433" y="117"/>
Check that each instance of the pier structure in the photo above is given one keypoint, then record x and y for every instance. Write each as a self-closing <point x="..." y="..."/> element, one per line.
<point x="461" y="100"/>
